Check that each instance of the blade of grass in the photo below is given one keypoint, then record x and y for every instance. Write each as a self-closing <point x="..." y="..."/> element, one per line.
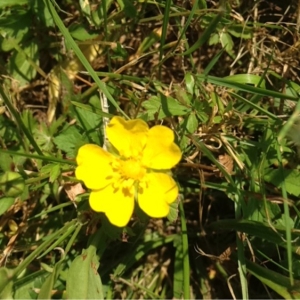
<point x="242" y="269"/>
<point x="255" y="106"/>
<point x="41" y="248"/>
<point x="19" y="122"/>
<point x="206" y="34"/>
<point x="70" y="41"/>
<point x="290" y="122"/>
<point x="164" y="33"/>
<point x="243" y="87"/>
<point x="42" y="157"/>
<point x="287" y="223"/>
<point x="185" y="254"/>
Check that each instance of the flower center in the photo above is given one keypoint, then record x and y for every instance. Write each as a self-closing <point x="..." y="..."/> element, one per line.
<point x="131" y="169"/>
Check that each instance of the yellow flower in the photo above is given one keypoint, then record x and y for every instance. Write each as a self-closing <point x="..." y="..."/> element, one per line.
<point x="138" y="170"/>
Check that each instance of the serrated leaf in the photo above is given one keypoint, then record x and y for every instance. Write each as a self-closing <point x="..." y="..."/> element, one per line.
<point x="226" y="42"/>
<point x="14" y="29"/>
<point x="164" y="106"/>
<point x="69" y="141"/>
<point x="54" y="173"/>
<point x="19" y="66"/>
<point x="173" y="213"/>
<point x="83" y="280"/>
<point x="90" y="122"/>
<point x="289" y="178"/>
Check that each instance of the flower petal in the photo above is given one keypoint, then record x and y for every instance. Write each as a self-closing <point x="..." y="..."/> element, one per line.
<point x="161" y="153"/>
<point x="94" y="166"/>
<point x="156" y="193"/>
<point x="128" y="137"/>
<point x="115" y="203"/>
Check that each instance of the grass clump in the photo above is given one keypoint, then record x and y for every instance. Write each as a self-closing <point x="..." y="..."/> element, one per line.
<point x="223" y="76"/>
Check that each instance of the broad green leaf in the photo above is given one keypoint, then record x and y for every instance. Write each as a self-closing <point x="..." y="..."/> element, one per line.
<point x="226" y="42"/>
<point x="54" y="173"/>
<point x="173" y="213"/>
<point x="83" y="280"/>
<point x="5" y="204"/>
<point x="164" y="106"/>
<point x="11" y="184"/>
<point x="90" y="123"/>
<point x="14" y="28"/>
<point x="189" y="82"/>
<point x="6" y="276"/>
<point x="43" y="14"/>
<point x="81" y="33"/>
<point x="128" y="7"/>
<point x="69" y="141"/>
<point x="290" y="178"/>
<point x="85" y="7"/>
<point x="5" y="161"/>
<point x="192" y="123"/>
<point x="240" y="31"/>
<point x="19" y="65"/>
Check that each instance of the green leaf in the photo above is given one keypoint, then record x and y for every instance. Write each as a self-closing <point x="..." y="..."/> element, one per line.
<point x="192" y="123"/>
<point x="128" y="7"/>
<point x="226" y="42"/>
<point x="10" y="3"/>
<point x="6" y="276"/>
<point x="81" y="33"/>
<point x="5" y="161"/>
<point x="11" y="184"/>
<point x="24" y="287"/>
<point x="69" y="141"/>
<point x="47" y="287"/>
<point x="54" y="173"/>
<point x="14" y="27"/>
<point x="43" y="14"/>
<point x="210" y="29"/>
<point x="277" y="282"/>
<point x="164" y="106"/>
<point x="289" y="178"/>
<point x="83" y="280"/>
<point x="5" y="204"/>
<point x="274" y="235"/>
<point x="178" y="269"/>
<point x="19" y="66"/>
<point x="90" y="122"/>
<point x="240" y="31"/>
<point x="189" y="82"/>
<point x="173" y="213"/>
